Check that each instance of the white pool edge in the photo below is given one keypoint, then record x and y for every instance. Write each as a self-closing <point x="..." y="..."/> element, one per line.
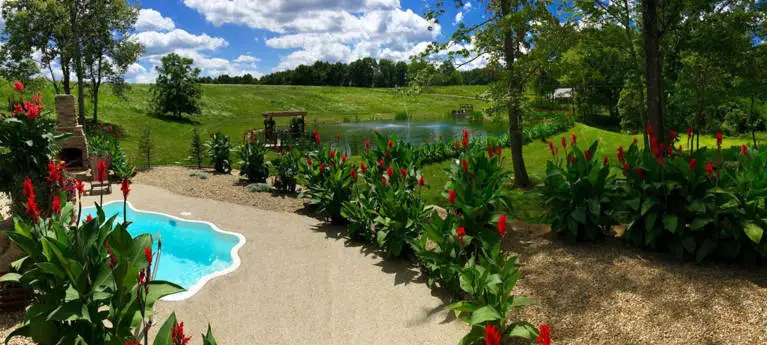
<point x="234" y="253"/>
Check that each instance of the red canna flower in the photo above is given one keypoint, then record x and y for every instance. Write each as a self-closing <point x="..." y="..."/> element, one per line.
<point x="177" y="335"/>
<point x="498" y="151"/>
<point x="544" y="335"/>
<point x="322" y="167"/>
<point x="551" y="146"/>
<point x="101" y="171"/>
<point x="604" y="161"/>
<point x="29" y="189"/>
<point x="490" y="151"/>
<point x="492" y="337"/>
<point x="587" y="154"/>
<point x="89" y="218"/>
<point x="640" y="174"/>
<point x="672" y="135"/>
<point x="465" y="140"/>
<point x="626" y="168"/>
<point x="353" y="173"/>
<point x="290" y="146"/>
<point x="390" y="143"/>
<point x="744" y="150"/>
<point x="465" y="165"/>
<point x="709" y="169"/>
<point x="635" y="140"/>
<point x="693" y="162"/>
<point x="383" y="180"/>
<point x="649" y="129"/>
<point x="125" y="187"/>
<point x="343" y="158"/>
<point x="689" y="132"/>
<point x="451" y="196"/>
<point x="420" y="182"/>
<point x="386" y="154"/>
<point x="403" y="172"/>
<point x="564" y="143"/>
<point x="17" y="109"/>
<point x="457" y="145"/>
<point x="131" y="342"/>
<point x="56" y="205"/>
<point x="389" y="171"/>
<point x="502" y="224"/>
<point x="54" y="172"/>
<point x="148" y="255"/>
<point x="367" y="143"/>
<point x="316" y="137"/>
<point x="32" y="211"/>
<point x="112" y="259"/>
<point x="459" y="234"/>
<point x="110" y="128"/>
<point x="380" y="163"/>
<point x="572" y="159"/>
<point x="33" y="111"/>
<point x="573" y="139"/>
<point x="142" y="277"/>
<point x="18" y="86"/>
<point x="718" y="140"/>
<point x="309" y="161"/>
<point x="338" y="137"/>
<point x="670" y="150"/>
<point x="332" y="154"/>
<point x="363" y="167"/>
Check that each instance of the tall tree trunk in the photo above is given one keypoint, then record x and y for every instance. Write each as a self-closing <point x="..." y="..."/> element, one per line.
<point x="65" y="76"/>
<point x="752" y="119"/>
<point x="96" y="76"/>
<point x="653" y="68"/>
<point x="53" y="79"/>
<point x="74" y="22"/>
<point x="514" y="112"/>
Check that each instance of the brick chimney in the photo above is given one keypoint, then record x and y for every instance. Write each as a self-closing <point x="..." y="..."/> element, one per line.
<point x="74" y="150"/>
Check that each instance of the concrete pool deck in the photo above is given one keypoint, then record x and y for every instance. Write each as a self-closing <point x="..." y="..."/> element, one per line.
<point x="300" y="282"/>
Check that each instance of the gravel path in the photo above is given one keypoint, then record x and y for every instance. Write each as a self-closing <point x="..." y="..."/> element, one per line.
<point x="611" y="293"/>
<point x="221" y="187"/>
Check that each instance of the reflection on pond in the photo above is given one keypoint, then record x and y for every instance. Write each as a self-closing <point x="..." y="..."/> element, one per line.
<point x="353" y="135"/>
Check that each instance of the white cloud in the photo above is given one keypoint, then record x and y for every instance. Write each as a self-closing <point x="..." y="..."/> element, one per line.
<point x="151" y="20"/>
<point x="158" y="42"/>
<point x="247" y="59"/>
<point x="467" y="5"/>
<point x="458" y="18"/>
<point x="329" y="30"/>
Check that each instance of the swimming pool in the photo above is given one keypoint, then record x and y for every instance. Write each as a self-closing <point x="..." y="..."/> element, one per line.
<point x="193" y="252"/>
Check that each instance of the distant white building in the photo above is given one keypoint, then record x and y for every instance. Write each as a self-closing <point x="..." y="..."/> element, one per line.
<point x="562" y="93"/>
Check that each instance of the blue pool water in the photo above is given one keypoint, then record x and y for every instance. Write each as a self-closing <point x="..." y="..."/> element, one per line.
<point x="191" y="251"/>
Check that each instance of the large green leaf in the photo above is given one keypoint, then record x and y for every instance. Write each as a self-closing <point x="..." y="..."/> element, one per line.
<point x="160" y="288"/>
<point x="10" y="278"/>
<point x="699" y="223"/>
<point x="671" y="222"/>
<point x="754" y="231"/>
<point x="164" y="335"/>
<point x="475" y="334"/>
<point x="208" y="339"/>
<point x="485" y="314"/>
<point x="523" y="330"/>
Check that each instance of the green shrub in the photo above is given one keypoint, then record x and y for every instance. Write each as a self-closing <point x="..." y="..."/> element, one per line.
<point x="441" y="253"/>
<point x="219" y="150"/>
<point x="258" y="187"/>
<point x="401" y="116"/>
<point x="489" y="284"/>
<point x="252" y="162"/>
<point x="196" y="149"/>
<point x="286" y="165"/>
<point x="475" y="190"/>
<point x="577" y="187"/>
<point x="329" y="181"/>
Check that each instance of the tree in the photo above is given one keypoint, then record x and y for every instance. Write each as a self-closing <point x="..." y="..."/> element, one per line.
<point x="176" y="89"/>
<point x="146" y="147"/>
<point x="508" y="32"/>
<point x="196" y="149"/>
<point x="108" y="49"/>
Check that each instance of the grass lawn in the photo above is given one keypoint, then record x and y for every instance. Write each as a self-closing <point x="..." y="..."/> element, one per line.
<point x="237" y="108"/>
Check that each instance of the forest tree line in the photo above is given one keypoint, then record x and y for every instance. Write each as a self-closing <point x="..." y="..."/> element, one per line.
<point x="366" y="72"/>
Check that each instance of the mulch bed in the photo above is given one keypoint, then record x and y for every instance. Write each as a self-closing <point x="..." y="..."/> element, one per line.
<point x="221" y="187"/>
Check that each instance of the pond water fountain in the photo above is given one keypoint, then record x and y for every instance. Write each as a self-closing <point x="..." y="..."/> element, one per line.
<point x="354" y="134"/>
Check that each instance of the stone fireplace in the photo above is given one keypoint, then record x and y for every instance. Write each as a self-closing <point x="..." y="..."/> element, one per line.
<point x="74" y="150"/>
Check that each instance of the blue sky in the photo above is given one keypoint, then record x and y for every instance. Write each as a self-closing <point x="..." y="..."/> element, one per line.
<point x="263" y="36"/>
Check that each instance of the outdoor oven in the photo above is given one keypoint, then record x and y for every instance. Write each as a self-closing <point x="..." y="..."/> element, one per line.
<point x="74" y="150"/>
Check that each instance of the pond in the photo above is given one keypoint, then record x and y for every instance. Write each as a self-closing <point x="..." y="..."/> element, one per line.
<point x="354" y="134"/>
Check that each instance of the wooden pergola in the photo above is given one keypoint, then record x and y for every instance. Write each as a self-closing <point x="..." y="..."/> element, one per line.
<point x="271" y="114"/>
<point x="271" y="135"/>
